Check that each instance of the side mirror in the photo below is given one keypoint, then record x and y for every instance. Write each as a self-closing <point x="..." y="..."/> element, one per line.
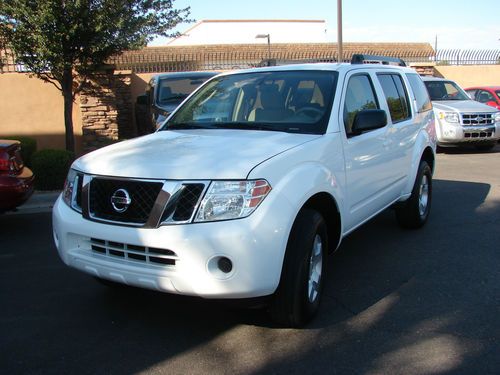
<point x="142" y="99"/>
<point x="368" y="119"/>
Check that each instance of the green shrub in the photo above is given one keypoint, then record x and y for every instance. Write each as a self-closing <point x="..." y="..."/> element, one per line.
<point x="28" y="147"/>
<point x="50" y="168"/>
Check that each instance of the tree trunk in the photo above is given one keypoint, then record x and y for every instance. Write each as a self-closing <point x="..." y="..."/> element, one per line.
<point x="67" y="91"/>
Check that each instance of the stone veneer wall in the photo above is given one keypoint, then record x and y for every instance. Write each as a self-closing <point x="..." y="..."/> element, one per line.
<point x="107" y="111"/>
<point x="424" y="69"/>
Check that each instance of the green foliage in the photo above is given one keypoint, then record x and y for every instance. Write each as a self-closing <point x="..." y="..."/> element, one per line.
<point x="50" y="168"/>
<point x="28" y="147"/>
<point x="64" y="42"/>
<point x="52" y="35"/>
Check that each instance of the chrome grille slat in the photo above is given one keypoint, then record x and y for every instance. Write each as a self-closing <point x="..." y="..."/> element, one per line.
<point x="477" y="119"/>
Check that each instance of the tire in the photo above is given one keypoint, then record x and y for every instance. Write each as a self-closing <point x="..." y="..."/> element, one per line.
<point x="298" y="296"/>
<point x="413" y="213"/>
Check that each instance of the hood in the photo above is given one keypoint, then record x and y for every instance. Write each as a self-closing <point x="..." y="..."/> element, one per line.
<point x="190" y="154"/>
<point x="462" y="106"/>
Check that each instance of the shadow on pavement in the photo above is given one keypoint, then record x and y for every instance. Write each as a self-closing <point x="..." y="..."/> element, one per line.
<point x="395" y="301"/>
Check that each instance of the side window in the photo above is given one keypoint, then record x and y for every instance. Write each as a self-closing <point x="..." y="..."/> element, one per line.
<point x="484" y="96"/>
<point x="395" y="95"/>
<point x="420" y="92"/>
<point x="359" y="96"/>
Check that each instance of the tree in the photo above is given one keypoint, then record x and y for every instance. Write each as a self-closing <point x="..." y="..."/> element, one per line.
<point x="60" y="40"/>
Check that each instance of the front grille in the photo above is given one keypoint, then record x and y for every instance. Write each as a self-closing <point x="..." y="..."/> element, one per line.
<point x="133" y="253"/>
<point x="478" y="134"/>
<point x="188" y="200"/>
<point x="142" y="194"/>
<point x="472" y="119"/>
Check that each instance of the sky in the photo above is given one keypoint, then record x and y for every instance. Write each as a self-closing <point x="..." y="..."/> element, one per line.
<point x="458" y="24"/>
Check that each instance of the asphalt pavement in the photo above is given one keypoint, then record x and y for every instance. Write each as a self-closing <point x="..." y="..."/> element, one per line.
<point x="396" y="301"/>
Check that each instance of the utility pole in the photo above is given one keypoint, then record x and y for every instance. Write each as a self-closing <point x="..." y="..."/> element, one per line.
<point x="435" y="48"/>
<point x="339" y="32"/>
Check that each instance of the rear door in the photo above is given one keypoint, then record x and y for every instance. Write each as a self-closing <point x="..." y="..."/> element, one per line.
<point x="374" y="173"/>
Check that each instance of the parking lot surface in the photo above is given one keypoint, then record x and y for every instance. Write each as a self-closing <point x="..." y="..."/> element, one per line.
<point x="396" y="301"/>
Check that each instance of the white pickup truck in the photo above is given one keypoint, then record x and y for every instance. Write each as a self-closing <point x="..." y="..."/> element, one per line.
<point x="252" y="182"/>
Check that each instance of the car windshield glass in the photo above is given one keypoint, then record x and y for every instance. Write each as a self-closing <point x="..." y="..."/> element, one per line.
<point x="176" y="89"/>
<point x="289" y="101"/>
<point x="498" y="93"/>
<point x="445" y="90"/>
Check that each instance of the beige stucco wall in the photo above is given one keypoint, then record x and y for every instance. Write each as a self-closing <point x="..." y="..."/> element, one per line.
<point x="138" y="84"/>
<point x="471" y="75"/>
<point x="31" y="107"/>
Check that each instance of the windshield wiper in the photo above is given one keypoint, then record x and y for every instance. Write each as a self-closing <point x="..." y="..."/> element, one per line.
<point x="248" y="126"/>
<point x="186" y="126"/>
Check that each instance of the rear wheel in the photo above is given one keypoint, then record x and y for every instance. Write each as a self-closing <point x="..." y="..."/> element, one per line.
<point x="414" y="212"/>
<point x="298" y="296"/>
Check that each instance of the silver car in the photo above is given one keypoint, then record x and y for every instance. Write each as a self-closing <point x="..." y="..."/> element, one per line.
<point x="459" y="119"/>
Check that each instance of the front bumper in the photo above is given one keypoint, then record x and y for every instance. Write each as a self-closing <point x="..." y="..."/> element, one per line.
<point x="459" y="134"/>
<point x="255" y="245"/>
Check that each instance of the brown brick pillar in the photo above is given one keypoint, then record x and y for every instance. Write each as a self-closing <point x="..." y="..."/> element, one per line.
<point x="106" y="107"/>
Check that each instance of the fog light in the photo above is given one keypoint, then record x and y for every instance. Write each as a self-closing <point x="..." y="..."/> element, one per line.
<point x="225" y="264"/>
<point x="221" y="267"/>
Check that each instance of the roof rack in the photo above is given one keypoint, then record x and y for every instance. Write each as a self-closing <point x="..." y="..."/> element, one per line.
<point x="372" y="59"/>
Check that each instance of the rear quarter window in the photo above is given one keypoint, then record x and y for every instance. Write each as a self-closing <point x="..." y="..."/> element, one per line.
<point x="420" y="92"/>
<point x="395" y="94"/>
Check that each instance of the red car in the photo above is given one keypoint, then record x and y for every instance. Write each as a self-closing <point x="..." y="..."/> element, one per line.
<point x="16" y="180"/>
<point x="489" y="95"/>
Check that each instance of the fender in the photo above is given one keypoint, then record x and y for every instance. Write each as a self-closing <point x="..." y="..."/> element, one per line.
<point x="425" y="137"/>
<point x="298" y="179"/>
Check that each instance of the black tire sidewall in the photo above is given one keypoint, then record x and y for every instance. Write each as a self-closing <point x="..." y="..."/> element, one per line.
<point x="291" y="305"/>
<point x="408" y="213"/>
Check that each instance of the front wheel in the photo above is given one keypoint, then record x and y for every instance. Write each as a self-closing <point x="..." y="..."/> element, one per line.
<point x="414" y="212"/>
<point x="298" y="296"/>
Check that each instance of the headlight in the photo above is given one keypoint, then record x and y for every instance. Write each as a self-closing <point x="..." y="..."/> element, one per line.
<point x="497" y="117"/>
<point x="70" y="191"/>
<point x="226" y="200"/>
<point x="451" y="117"/>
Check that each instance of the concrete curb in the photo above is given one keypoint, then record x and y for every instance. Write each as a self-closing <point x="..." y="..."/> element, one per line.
<point x="40" y="201"/>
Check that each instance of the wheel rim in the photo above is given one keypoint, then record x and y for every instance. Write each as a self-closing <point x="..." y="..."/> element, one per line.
<point x="315" y="269"/>
<point x="423" y="196"/>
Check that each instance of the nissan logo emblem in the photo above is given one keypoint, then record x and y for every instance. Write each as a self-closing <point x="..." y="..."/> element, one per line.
<point x="120" y="200"/>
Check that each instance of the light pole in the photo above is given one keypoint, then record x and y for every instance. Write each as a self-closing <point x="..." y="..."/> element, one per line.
<point x="268" y="36"/>
<point x="339" y="31"/>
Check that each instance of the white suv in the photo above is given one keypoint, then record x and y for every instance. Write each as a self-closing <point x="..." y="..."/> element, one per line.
<point x="251" y="182"/>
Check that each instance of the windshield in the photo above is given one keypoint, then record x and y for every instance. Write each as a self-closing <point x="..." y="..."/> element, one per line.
<point x="445" y="90"/>
<point x="289" y="101"/>
<point x="175" y="89"/>
<point x="498" y="93"/>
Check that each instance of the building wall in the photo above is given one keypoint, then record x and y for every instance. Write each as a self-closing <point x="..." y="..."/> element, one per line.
<point x="33" y="108"/>
<point x="471" y="75"/>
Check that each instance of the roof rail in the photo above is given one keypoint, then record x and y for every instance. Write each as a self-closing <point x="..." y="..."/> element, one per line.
<point x="372" y="59"/>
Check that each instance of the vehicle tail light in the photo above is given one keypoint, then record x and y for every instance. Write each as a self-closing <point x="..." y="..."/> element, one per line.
<point x="6" y="165"/>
